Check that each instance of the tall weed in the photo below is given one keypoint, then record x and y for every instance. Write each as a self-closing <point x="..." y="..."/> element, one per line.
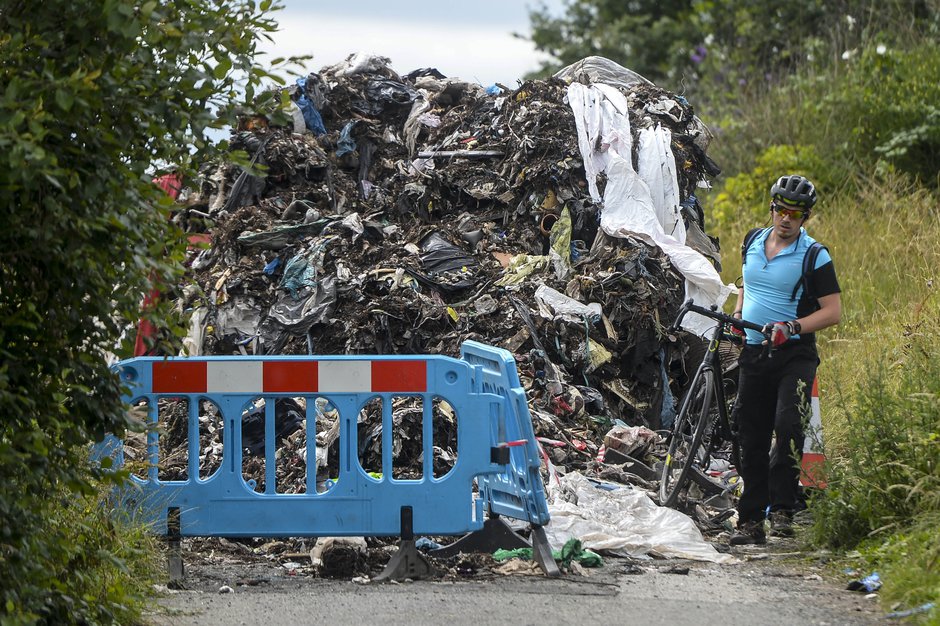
<point x="100" y="570"/>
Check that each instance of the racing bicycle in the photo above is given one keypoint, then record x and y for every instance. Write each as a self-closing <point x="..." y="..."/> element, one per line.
<point x="702" y="428"/>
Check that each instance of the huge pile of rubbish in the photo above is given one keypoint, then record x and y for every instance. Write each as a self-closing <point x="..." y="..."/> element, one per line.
<point x="406" y="214"/>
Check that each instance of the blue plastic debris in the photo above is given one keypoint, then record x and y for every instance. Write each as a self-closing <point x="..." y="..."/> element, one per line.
<point x="346" y="143"/>
<point x="311" y="116"/>
<point x="298" y="273"/>
<point x="869" y="584"/>
<point x="423" y="543"/>
<point x="923" y="608"/>
<point x="271" y="267"/>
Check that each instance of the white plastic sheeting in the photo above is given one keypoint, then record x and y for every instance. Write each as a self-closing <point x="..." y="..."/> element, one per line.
<point x="629" y="210"/>
<point x="600" y="113"/>
<point x="656" y="166"/>
<point x="622" y="521"/>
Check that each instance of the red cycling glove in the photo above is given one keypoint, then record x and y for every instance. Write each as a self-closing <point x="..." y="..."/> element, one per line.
<point x="780" y="333"/>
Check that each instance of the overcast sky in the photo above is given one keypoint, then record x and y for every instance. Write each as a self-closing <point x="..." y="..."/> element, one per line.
<point x="469" y="39"/>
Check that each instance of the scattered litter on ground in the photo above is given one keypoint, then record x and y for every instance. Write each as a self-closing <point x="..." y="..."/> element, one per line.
<point x="869" y="584"/>
<point x="923" y="608"/>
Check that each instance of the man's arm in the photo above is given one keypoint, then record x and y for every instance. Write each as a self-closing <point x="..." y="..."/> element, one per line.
<point x="829" y="314"/>
<point x="739" y="303"/>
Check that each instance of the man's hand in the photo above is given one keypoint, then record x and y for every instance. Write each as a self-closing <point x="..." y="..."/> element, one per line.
<point x="780" y="333"/>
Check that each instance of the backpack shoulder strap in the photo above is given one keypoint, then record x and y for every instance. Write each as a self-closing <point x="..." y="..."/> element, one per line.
<point x="809" y="264"/>
<point x="748" y="240"/>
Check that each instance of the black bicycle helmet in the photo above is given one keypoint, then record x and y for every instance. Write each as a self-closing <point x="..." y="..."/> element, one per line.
<point x="795" y="191"/>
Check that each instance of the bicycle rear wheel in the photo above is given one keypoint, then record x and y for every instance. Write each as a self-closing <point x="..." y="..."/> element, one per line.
<point x="686" y="437"/>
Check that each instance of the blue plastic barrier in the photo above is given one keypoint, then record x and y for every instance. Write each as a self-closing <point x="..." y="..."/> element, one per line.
<point x="496" y="445"/>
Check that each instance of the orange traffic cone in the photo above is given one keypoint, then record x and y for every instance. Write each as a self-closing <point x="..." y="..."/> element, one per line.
<point x="814" y="458"/>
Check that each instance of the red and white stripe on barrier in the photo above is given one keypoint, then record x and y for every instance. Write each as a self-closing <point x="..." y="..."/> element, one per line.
<point x="813" y="456"/>
<point x="300" y="376"/>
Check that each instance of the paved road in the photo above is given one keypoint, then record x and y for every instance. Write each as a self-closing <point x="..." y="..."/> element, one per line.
<point x="770" y="590"/>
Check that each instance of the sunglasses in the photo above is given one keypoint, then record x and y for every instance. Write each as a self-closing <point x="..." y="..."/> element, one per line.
<point x="795" y="214"/>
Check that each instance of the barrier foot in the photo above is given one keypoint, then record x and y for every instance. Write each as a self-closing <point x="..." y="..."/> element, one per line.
<point x="174" y="546"/>
<point x="542" y="552"/>
<point x="495" y="534"/>
<point x="408" y="562"/>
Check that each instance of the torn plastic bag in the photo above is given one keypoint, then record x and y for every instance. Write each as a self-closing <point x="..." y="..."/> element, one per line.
<point x="271" y="267"/>
<point x="619" y="520"/>
<point x="433" y="72"/>
<point x="520" y="267"/>
<point x="359" y="63"/>
<point x="193" y="341"/>
<point x="346" y="144"/>
<point x="298" y="273"/>
<point x="237" y="316"/>
<point x="288" y="419"/>
<point x="297" y="118"/>
<point x="352" y="223"/>
<point x="559" y="305"/>
<point x="451" y="286"/>
<point x="390" y="91"/>
<point x="312" y="117"/>
<point x="281" y="236"/>
<point x="593" y="400"/>
<point x="315" y="306"/>
<point x="385" y="92"/>
<point x="602" y="120"/>
<point x="439" y="255"/>
<point x="412" y="126"/>
<point x="600" y="70"/>
<point x="629" y="210"/>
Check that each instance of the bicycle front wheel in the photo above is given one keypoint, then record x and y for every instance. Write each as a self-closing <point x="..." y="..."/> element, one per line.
<point x="686" y="437"/>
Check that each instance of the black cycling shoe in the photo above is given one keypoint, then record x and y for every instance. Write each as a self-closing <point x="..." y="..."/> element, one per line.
<point x="781" y="524"/>
<point x="748" y="533"/>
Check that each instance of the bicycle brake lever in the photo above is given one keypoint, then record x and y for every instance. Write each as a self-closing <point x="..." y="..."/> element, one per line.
<point x="768" y="349"/>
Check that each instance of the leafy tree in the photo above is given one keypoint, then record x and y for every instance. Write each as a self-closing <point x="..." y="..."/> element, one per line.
<point x="96" y="94"/>
<point x="648" y="36"/>
<point x="720" y="43"/>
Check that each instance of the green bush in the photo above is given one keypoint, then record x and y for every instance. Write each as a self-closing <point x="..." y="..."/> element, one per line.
<point x="745" y="197"/>
<point x="887" y="99"/>
<point x="879" y="107"/>
<point x="97" y="94"/>
<point x="885" y="475"/>
<point x="85" y="562"/>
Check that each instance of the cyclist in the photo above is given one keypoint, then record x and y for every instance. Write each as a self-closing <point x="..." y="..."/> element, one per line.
<point x="772" y="391"/>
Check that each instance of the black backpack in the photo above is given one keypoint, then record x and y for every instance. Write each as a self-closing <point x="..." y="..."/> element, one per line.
<point x="809" y="264"/>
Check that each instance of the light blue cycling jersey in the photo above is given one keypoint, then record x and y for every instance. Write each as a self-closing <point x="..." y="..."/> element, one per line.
<point x="768" y="285"/>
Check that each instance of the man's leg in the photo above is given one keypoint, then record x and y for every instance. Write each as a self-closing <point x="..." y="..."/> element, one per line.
<point x="793" y="398"/>
<point x="755" y="418"/>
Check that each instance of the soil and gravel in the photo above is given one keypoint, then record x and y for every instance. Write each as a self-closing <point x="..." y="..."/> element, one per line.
<point x="773" y="584"/>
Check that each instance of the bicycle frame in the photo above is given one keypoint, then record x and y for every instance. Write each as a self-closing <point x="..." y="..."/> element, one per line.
<point x="712" y="363"/>
<point x="694" y="417"/>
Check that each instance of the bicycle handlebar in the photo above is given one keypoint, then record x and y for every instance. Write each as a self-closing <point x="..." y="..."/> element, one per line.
<point x="713" y="313"/>
<point x="716" y="315"/>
